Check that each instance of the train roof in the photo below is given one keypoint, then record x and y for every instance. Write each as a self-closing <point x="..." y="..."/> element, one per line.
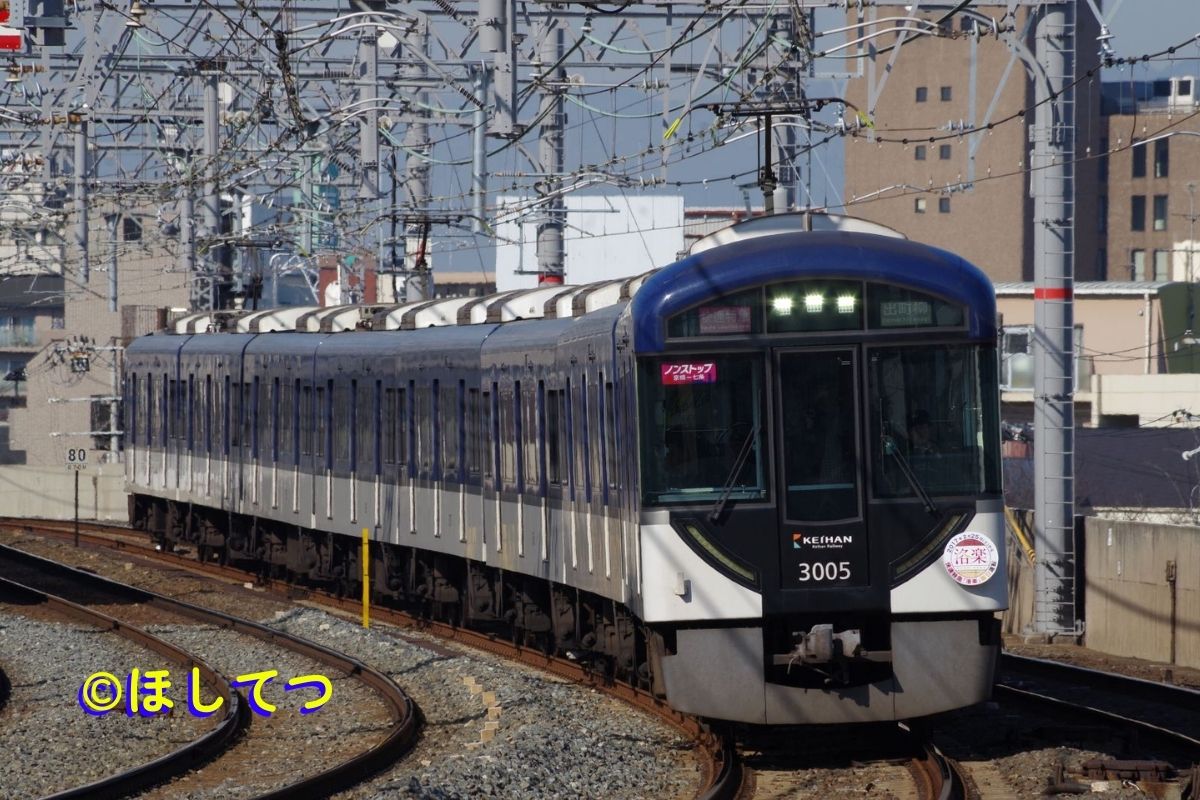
<point x="812" y="254"/>
<point x="757" y="251"/>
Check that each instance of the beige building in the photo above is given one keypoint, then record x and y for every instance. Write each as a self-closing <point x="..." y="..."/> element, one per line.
<point x="73" y="379"/>
<point x="1150" y="208"/>
<point x="1137" y="358"/>
<point x="954" y="111"/>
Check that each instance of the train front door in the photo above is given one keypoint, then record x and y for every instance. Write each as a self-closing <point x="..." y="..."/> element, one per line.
<point x="822" y="532"/>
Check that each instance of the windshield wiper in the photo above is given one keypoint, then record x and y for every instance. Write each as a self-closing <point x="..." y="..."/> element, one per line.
<point x="738" y="463"/>
<point x="889" y="447"/>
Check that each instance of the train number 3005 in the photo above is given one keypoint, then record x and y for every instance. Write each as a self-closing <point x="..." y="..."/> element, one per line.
<point x="825" y="571"/>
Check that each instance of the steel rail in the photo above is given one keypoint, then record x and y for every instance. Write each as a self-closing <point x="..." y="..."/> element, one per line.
<point x="190" y="755"/>
<point x="339" y="777"/>
<point x="723" y="767"/>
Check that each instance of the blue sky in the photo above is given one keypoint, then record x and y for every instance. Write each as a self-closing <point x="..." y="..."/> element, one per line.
<point x="1145" y="26"/>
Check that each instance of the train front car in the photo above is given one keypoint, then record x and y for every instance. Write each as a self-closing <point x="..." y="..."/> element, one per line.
<point x="821" y="514"/>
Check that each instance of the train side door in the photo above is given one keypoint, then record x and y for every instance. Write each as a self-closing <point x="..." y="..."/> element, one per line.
<point x="823" y="537"/>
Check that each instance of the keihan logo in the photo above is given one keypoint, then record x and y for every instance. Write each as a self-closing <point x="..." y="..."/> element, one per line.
<point x="796" y="539"/>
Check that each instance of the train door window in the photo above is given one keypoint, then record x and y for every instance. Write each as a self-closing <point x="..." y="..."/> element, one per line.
<point x="203" y="423"/>
<point x="276" y="410"/>
<point x="373" y="428"/>
<point x="408" y="432"/>
<point x="255" y="408"/>
<point x="820" y="437"/>
<point x="319" y="424"/>
<point x="351" y="422"/>
<point x="248" y="412"/>
<point x="508" y="437"/>
<point x="306" y="421"/>
<point x="191" y="410"/>
<point x="172" y="392"/>
<point x="294" y="416"/>
<point x="585" y="450"/>
<point x="325" y="404"/>
<point x="569" y="437"/>
<point x="450" y="428"/>
<point x="168" y="410"/>
<point x="537" y="437"/>
<point x="474" y="443"/>
<point x="554" y="470"/>
<point x="391" y="412"/>
<point x="131" y="408"/>
<point x="530" y="468"/>
<point x="227" y="417"/>
<point x="595" y="439"/>
<point x="610" y="435"/>
<point x="489" y="411"/>
<point x="424" y="426"/>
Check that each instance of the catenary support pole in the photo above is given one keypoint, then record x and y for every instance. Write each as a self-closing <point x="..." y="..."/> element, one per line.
<point x="1053" y="187"/>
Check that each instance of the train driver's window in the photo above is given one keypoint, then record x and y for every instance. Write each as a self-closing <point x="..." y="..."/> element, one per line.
<point x="702" y="421"/>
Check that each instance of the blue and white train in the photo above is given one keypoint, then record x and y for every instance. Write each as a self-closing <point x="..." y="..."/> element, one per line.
<point x="763" y="481"/>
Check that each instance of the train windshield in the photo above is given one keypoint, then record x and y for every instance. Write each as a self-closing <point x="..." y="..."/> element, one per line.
<point x="934" y="415"/>
<point x="703" y="429"/>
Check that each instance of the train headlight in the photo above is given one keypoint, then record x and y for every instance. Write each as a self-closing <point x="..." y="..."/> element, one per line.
<point x="814" y="303"/>
<point x="781" y="304"/>
<point x="845" y="303"/>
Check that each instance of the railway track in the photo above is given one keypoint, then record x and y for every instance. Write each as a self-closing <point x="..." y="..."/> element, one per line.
<point x="723" y="778"/>
<point x="894" y="761"/>
<point x="234" y="715"/>
<point x="40" y="575"/>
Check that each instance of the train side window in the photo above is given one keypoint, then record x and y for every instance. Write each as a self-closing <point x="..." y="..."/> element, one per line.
<point x="508" y="435"/>
<point x="554" y="470"/>
<point x="610" y="435"/>
<point x="341" y="436"/>
<point x="235" y="420"/>
<point x="424" y="426"/>
<point x="474" y="434"/>
<point x="449" y="420"/>
<point x="390" y="412"/>
<point x="287" y="421"/>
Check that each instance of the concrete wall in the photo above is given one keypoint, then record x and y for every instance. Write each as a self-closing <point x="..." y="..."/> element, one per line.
<point x="49" y="492"/>
<point x="1128" y="597"/>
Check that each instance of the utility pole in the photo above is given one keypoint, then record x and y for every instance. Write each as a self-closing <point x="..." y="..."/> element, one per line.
<point x="418" y="282"/>
<point x="550" y="154"/>
<point x="212" y="198"/>
<point x="1053" y="187"/>
<point x="81" y="199"/>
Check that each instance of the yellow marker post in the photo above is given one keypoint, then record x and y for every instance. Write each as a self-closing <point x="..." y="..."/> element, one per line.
<point x="366" y="580"/>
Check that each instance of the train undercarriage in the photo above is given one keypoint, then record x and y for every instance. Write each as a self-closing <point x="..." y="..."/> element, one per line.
<point x="558" y="619"/>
